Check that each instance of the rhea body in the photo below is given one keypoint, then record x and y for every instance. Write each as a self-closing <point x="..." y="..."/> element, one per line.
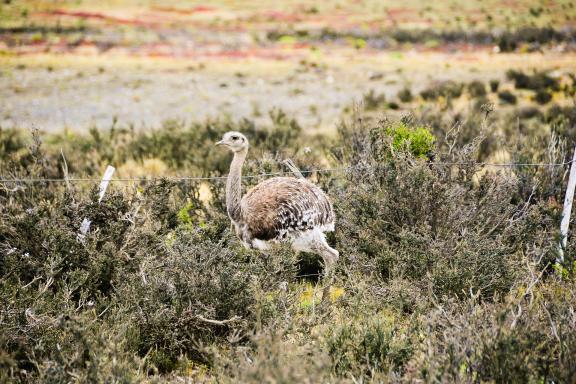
<point x="280" y="209"/>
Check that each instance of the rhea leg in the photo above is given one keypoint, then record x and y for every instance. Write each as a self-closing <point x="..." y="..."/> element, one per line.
<point x="315" y="241"/>
<point x="330" y="257"/>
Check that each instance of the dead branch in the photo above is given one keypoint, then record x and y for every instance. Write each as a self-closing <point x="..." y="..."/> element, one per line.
<point x="219" y="322"/>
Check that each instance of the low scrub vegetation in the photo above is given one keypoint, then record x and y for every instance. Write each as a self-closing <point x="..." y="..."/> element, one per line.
<point x="446" y="271"/>
<point x="523" y="38"/>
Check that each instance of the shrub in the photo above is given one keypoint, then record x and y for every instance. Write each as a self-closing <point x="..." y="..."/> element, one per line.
<point x="365" y="346"/>
<point x="422" y="205"/>
<point x="417" y="140"/>
<point x="477" y="88"/>
<point x="539" y="81"/>
<point x="445" y="270"/>
<point x="405" y="95"/>
<point x="530" y="113"/>
<point x="557" y="114"/>
<point x="507" y="97"/>
<point x="562" y="120"/>
<point x="11" y="142"/>
<point x="509" y="40"/>
<point x="180" y="295"/>
<point x="514" y="341"/>
<point x="373" y="101"/>
<point x="494" y="84"/>
<point x="542" y="97"/>
<point x="447" y="89"/>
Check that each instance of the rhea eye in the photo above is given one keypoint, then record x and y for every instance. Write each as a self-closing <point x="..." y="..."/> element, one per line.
<point x="234" y="137"/>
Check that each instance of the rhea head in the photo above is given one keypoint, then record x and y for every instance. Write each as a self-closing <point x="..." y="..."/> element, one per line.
<point x="235" y="141"/>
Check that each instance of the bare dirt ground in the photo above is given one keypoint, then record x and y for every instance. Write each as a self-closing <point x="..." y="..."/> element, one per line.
<point x="79" y="92"/>
<point x="81" y="64"/>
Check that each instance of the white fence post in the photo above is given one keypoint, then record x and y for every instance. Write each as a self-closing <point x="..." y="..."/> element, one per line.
<point x="85" y="226"/>
<point x="565" y="223"/>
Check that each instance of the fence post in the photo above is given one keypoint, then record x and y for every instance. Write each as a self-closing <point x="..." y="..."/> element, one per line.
<point x="569" y="197"/>
<point x="85" y="226"/>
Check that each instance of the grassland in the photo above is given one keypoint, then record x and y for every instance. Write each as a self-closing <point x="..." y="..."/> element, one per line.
<point x="38" y="89"/>
<point x="447" y="272"/>
<point x="448" y="268"/>
<point x="143" y="62"/>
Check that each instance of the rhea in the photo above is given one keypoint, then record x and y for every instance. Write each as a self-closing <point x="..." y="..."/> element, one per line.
<point x="280" y="209"/>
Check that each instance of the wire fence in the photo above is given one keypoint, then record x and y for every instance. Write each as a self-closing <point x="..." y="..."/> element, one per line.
<point x="261" y="175"/>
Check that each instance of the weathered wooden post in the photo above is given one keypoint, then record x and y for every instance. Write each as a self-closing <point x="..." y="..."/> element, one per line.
<point x="85" y="226"/>
<point x="569" y="197"/>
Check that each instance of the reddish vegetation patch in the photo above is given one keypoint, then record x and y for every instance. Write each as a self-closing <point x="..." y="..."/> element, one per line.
<point x="163" y="50"/>
<point x="97" y="16"/>
<point x="469" y="58"/>
<point x="257" y="53"/>
<point x="512" y="4"/>
<point x="396" y="12"/>
<point x="301" y="45"/>
<point x="280" y="16"/>
<point x="178" y="34"/>
<point x="189" y="11"/>
<point x="404" y="15"/>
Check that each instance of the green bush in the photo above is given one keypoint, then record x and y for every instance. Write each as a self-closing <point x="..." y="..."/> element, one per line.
<point x="405" y="95"/>
<point x="425" y="209"/>
<point x="477" y="88"/>
<point x="365" y="346"/>
<point x="507" y="97"/>
<point x="494" y="84"/>
<point x="416" y="140"/>
<point x="530" y="113"/>
<point x="542" y="97"/>
<point x="192" y="281"/>
<point x="448" y="89"/>
<point x="539" y="81"/>
<point x="507" y="342"/>
<point x="445" y="270"/>
<point x="373" y="101"/>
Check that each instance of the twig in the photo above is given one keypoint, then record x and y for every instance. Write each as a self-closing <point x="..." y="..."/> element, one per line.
<point x="516" y="316"/>
<point x="218" y="322"/>
<point x="65" y="169"/>
<point x="553" y="326"/>
<point x="33" y="280"/>
<point x="15" y="189"/>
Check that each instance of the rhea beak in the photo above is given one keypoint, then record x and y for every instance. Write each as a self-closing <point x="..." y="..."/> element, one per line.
<point x="221" y="142"/>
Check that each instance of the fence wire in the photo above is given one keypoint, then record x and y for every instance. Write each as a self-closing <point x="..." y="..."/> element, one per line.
<point x="261" y="175"/>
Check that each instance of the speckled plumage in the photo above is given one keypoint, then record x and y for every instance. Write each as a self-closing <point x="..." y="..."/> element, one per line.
<point x="283" y="207"/>
<point x="279" y="209"/>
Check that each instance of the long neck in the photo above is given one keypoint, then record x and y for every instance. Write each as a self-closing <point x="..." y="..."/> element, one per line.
<point x="233" y="185"/>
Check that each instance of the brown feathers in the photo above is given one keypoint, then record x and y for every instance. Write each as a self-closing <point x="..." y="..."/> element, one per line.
<point x="282" y="206"/>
